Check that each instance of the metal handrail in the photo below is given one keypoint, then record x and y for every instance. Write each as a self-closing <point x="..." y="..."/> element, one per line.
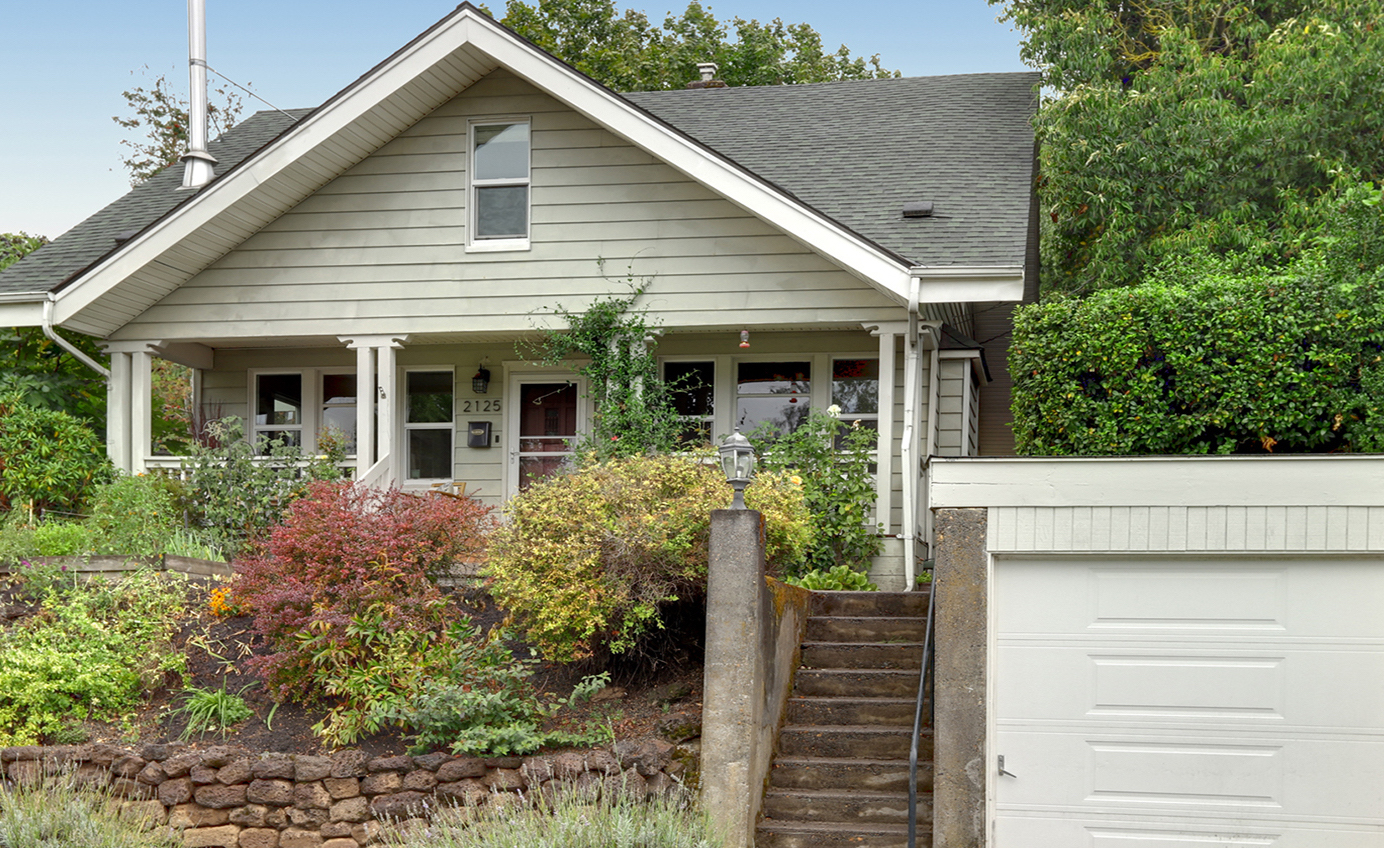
<point x="924" y="676"/>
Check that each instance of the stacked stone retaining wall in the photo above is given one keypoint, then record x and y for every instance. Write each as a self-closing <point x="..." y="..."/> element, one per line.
<point x="229" y="797"/>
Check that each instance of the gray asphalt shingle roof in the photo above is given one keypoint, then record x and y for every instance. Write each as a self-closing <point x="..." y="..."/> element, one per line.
<point x="73" y="251"/>
<point x="855" y="151"/>
<point x="858" y="151"/>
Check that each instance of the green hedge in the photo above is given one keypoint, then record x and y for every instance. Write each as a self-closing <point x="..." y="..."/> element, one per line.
<point x="1226" y="364"/>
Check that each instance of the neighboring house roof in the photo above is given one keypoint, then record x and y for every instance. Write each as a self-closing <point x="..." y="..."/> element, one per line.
<point x="830" y="163"/>
<point x="70" y="253"/>
<point x="858" y="151"/>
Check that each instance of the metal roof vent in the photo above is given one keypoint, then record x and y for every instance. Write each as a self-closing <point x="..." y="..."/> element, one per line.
<point x="125" y="235"/>
<point x="918" y="209"/>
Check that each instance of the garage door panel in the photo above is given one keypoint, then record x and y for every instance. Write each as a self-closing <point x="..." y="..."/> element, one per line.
<point x="1251" y="598"/>
<point x="1074" y="831"/>
<point x="1225" y="701"/>
<point x="1179" y="685"/>
<point x="1193" y="776"/>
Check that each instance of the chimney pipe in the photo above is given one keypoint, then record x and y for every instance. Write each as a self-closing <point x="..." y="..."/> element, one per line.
<point x="708" y="72"/>
<point x="198" y="162"/>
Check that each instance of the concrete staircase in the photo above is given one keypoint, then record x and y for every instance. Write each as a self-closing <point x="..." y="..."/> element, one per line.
<point x="840" y="774"/>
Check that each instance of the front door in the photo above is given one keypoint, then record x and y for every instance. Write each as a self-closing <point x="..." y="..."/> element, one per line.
<point x="546" y="414"/>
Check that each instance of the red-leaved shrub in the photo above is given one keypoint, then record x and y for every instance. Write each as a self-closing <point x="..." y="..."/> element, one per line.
<point x="346" y="550"/>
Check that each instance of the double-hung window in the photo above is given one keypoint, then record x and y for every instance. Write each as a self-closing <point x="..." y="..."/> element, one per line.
<point x="775" y="393"/>
<point x="692" y="386"/>
<point x="279" y="408"/>
<point x="301" y="408"/>
<point x="429" y="425"/>
<point x="499" y="196"/>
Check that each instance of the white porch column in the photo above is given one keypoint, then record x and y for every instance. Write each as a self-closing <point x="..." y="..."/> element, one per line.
<point x="118" y="412"/>
<point x="365" y="410"/>
<point x="385" y="409"/>
<point x="141" y="409"/>
<point x="130" y="404"/>
<point x="884" y="463"/>
<point x="375" y="383"/>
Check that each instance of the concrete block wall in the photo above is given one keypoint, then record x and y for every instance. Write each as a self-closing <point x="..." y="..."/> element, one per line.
<point x="228" y="797"/>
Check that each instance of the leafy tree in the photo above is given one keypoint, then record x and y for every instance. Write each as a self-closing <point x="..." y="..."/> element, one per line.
<point x="48" y="459"/>
<point x="1208" y="358"/>
<point x="1197" y="128"/>
<point x="15" y="246"/>
<point x="159" y="123"/>
<point x="627" y="52"/>
<point x="33" y="368"/>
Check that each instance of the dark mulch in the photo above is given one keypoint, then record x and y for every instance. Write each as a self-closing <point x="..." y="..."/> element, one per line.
<point x="643" y="696"/>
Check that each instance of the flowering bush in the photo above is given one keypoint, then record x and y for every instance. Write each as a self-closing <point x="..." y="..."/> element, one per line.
<point x="587" y="558"/>
<point x="343" y="550"/>
<point x="832" y="460"/>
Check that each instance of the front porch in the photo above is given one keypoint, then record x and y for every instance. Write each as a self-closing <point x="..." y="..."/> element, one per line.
<point x="421" y="413"/>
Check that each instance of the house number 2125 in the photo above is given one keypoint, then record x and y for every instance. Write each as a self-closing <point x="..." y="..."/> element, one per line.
<point x="480" y="406"/>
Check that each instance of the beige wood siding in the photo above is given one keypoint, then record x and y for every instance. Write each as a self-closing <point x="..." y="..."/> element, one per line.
<point x="973" y="416"/>
<point x="380" y="249"/>
<point x="951" y="402"/>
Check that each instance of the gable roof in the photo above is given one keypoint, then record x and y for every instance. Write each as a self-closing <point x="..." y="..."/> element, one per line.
<point x="272" y="161"/>
<point x="46" y="269"/>
<point x="859" y="150"/>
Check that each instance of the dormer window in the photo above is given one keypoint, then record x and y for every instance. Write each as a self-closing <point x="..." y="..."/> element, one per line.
<point x="499" y="185"/>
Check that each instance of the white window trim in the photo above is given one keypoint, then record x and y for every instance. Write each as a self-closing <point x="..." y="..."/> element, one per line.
<point x="831" y="370"/>
<point x="718" y="374"/>
<point x="401" y="472"/>
<point x="312" y="404"/>
<point x="495" y="245"/>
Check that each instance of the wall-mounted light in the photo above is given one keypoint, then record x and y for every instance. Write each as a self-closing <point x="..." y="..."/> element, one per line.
<point x="737" y="462"/>
<point x="480" y="383"/>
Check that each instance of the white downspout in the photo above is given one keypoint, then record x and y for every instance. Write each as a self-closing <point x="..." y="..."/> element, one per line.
<point x="198" y="162"/>
<point x="908" y="448"/>
<point x="933" y="421"/>
<point x="68" y="346"/>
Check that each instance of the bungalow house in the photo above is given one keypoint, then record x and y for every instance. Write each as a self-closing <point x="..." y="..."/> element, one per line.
<point x="368" y="265"/>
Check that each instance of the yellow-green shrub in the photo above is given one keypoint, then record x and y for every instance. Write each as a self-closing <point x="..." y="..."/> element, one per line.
<point x="585" y="559"/>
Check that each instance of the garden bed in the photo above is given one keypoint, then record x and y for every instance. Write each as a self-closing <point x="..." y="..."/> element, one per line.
<point x="637" y="703"/>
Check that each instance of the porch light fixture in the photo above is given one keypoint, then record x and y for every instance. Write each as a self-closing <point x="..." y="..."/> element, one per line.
<point x="480" y="383"/>
<point x="737" y="462"/>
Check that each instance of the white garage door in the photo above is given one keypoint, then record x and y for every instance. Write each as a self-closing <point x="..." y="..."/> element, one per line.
<point x="1143" y="703"/>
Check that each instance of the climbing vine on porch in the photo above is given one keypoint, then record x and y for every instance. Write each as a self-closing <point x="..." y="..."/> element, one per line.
<point x="634" y="413"/>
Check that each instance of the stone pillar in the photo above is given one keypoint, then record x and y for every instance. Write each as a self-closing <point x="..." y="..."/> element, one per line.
<point x="961" y="764"/>
<point x="732" y="691"/>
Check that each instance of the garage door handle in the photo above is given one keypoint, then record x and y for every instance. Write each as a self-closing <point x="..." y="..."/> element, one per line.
<point x="1003" y="772"/>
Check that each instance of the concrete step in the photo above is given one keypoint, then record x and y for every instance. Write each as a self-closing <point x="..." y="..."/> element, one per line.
<point x="852" y="742"/>
<point x="862" y="655"/>
<point x="866" y="628"/>
<point x="836" y="773"/>
<point x="854" y="682"/>
<point x="861" y="710"/>
<point x="775" y="834"/>
<point x="843" y="805"/>
<point x="870" y="603"/>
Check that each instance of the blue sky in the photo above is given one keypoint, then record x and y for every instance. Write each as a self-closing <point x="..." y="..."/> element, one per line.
<point x="67" y="63"/>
